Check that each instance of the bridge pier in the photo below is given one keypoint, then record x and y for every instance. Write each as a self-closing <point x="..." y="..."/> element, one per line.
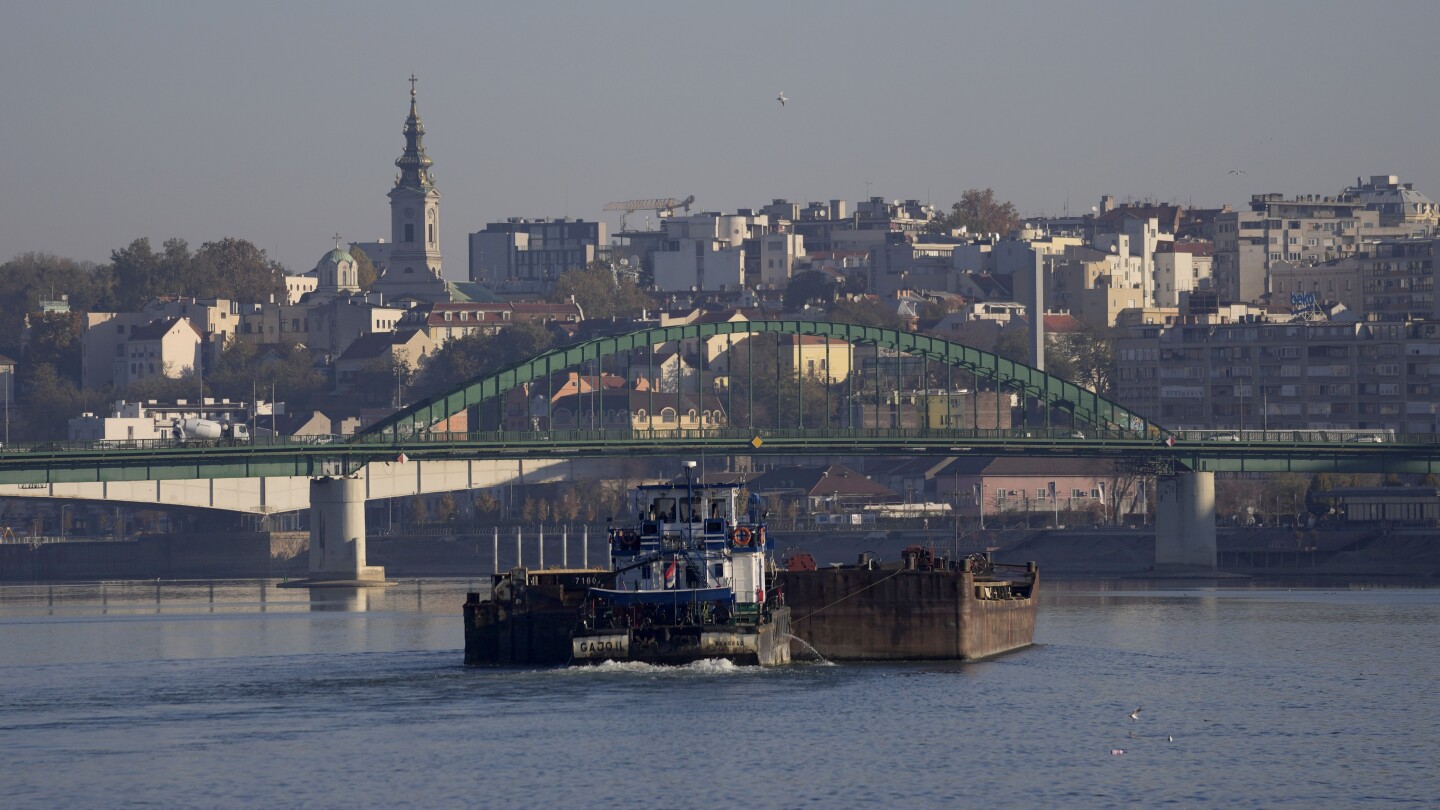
<point x="337" y="537"/>
<point x="1185" y="522"/>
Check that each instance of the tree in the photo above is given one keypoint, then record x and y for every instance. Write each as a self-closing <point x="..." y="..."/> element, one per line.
<point x="136" y="268"/>
<point x="471" y="356"/>
<point x="600" y="293"/>
<point x="364" y="268"/>
<point x="242" y="372"/>
<point x="445" y="508"/>
<point x="1014" y="344"/>
<point x="237" y="270"/>
<point x="978" y="212"/>
<point x="808" y="286"/>
<point x="55" y="339"/>
<point x="1089" y="356"/>
<point x="46" y="401"/>
<point x="486" y="505"/>
<point x="866" y="313"/>
<point x="30" y="277"/>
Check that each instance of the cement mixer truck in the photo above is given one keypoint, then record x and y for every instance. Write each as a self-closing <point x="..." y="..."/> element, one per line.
<point x="196" y="429"/>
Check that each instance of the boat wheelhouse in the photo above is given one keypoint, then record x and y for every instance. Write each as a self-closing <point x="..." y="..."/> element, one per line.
<point x="692" y="580"/>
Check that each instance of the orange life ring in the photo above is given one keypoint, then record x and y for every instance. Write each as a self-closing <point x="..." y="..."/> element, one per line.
<point x="741" y="537"/>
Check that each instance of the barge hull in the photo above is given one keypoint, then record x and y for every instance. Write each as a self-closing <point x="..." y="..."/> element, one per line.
<point x="883" y="615"/>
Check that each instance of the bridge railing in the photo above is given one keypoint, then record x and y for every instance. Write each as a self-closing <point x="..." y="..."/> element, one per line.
<point x="734" y="435"/>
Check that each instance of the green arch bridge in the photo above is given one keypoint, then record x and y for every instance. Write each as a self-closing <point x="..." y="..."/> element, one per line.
<point x="810" y="416"/>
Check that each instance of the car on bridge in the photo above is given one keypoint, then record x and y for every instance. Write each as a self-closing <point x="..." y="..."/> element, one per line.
<point x="1368" y="438"/>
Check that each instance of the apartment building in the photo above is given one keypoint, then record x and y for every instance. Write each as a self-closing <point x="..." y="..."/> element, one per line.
<point x="1180" y="267"/>
<point x="524" y="255"/>
<point x="1312" y="229"/>
<point x="1252" y="375"/>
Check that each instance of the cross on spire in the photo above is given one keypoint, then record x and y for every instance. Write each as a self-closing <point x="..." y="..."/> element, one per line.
<point x="412" y="85"/>
<point x="337" y="241"/>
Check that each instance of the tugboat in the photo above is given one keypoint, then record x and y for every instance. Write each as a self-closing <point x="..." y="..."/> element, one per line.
<point x="689" y="580"/>
<point x="692" y="581"/>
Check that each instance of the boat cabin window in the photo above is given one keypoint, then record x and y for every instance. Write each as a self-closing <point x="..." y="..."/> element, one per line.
<point x="717" y="508"/>
<point x="663" y="509"/>
<point x="719" y="570"/>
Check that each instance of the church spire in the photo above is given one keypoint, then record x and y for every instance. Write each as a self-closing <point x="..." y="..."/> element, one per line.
<point x="414" y="164"/>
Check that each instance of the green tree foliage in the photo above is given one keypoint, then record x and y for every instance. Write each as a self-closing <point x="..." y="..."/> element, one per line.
<point x="471" y="356"/>
<point x="29" y="278"/>
<point x="55" y="340"/>
<point x="599" y="294"/>
<point x="237" y="270"/>
<point x="45" y="402"/>
<point x="230" y="268"/>
<point x="866" y="313"/>
<point x="242" y="371"/>
<point x="1090" y="356"/>
<point x="364" y="269"/>
<point x="141" y="274"/>
<point x="807" y="287"/>
<point x="978" y="212"/>
<point x="1014" y="344"/>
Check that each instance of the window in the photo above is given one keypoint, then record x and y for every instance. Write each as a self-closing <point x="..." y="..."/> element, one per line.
<point x="431" y="233"/>
<point x="409" y="232"/>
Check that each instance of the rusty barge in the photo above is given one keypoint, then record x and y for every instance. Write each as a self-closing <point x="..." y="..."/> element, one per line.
<point x="923" y="606"/>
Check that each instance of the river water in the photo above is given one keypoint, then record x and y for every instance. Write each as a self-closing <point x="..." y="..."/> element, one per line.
<point x="237" y="694"/>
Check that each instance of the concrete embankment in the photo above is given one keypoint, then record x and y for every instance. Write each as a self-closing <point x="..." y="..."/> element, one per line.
<point x="240" y="554"/>
<point x="1072" y="554"/>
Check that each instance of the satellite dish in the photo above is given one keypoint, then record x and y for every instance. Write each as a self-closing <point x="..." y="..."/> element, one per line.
<point x="1114" y="248"/>
<point x="1094" y="209"/>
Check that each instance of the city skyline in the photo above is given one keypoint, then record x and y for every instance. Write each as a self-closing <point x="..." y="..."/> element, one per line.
<point x="281" y="125"/>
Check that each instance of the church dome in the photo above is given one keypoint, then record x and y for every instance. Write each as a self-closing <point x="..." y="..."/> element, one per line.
<point x="336" y="272"/>
<point x="337" y="256"/>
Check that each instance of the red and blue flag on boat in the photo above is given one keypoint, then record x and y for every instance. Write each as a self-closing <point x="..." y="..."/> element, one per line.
<point x="670" y="575"/>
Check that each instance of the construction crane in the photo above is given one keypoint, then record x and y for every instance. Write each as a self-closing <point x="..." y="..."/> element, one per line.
<point x="662" y="207"/>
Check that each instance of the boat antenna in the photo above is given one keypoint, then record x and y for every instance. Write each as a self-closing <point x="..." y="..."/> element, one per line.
<point x="689" y="504"/>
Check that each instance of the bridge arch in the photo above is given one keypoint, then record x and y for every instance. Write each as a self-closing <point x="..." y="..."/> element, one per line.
<point x="1002" y="372"/>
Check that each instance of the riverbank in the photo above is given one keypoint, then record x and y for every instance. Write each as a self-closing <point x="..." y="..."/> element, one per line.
<point x="1068" y="554"/>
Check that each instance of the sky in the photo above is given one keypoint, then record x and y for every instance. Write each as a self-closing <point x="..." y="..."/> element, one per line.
<point x="279" y="122"/>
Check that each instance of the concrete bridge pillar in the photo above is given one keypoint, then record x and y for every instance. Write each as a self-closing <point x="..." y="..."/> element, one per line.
<point x="337" y="536"/>
<point x="1185" y="521"/>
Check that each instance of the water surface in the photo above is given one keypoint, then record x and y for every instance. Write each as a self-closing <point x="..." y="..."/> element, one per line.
<point x="239" y="694"/>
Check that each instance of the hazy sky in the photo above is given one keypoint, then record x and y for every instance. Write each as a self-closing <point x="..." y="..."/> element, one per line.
<point x="280" y="122"/>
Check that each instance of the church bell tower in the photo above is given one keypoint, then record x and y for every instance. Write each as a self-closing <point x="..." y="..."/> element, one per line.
<point x="414" y="211"/>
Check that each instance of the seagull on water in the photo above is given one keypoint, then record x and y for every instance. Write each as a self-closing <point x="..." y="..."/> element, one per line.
<point x="1135" y="715"/>
<point x="781" y="98"/>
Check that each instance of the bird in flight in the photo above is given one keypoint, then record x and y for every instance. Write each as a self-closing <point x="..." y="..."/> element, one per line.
<point x="781" y="98"/>
<point x="1135" y="715"/>
<point x="1237" y="171"/>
